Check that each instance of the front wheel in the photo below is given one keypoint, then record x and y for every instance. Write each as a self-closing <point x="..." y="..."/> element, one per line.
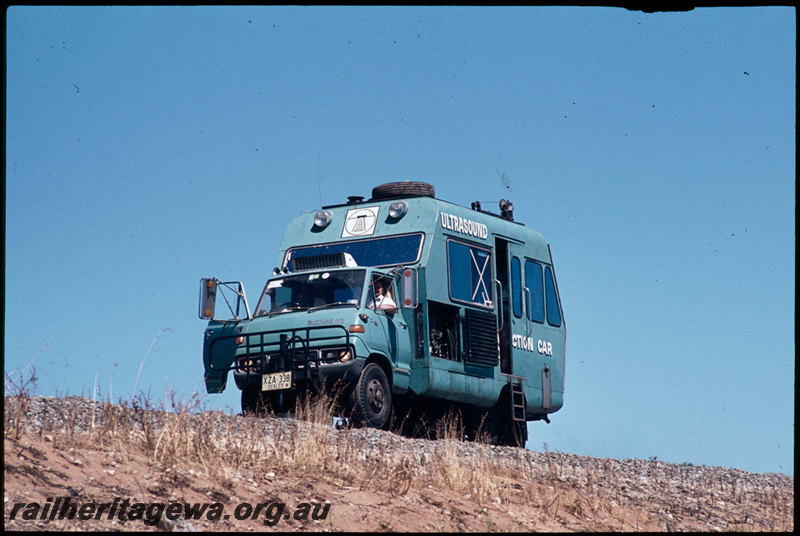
<point x="372" y="398"/>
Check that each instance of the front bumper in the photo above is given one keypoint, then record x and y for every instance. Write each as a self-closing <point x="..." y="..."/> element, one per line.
<point x="315" y="355"/>
<point x="314" y="372"/>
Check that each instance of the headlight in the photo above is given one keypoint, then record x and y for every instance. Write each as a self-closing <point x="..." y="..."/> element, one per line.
<point x="330" y="355"/>
<point x="247" y="363"/>
<point x="322" y="219"/>
<point x="397" y="209"/>
<point x="342" y="355"/>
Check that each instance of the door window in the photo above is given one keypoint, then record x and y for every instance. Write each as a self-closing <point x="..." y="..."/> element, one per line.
<point x="533" y="280"/>
<point x="553" y="310"/>
<point x="516" y="286"/>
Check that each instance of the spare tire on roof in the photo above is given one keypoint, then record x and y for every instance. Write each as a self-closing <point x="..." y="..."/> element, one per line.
<point x="403" y="189"/>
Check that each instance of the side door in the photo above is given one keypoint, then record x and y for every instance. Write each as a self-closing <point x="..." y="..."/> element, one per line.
<point x="544" y="342"/>
<point x="383" y="299"/>
<point x="514" y="327"/>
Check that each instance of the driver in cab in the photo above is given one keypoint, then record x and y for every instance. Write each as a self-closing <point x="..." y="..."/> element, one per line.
<point x="381" y="298"/>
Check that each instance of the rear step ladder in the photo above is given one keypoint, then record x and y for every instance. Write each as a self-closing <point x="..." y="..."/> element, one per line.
<point x="517" y="398"/>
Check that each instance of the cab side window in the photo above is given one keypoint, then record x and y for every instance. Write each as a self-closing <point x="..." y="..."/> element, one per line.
<point x="553" y="310"/>
<point x="470" y="274"/>
<point x="381" y="295"/>
<point x="533" y="281"/>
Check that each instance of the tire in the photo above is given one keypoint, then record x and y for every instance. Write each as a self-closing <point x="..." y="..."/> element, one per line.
<point x="372" y="398"/>
<point x="403" y="189"/>
<point x="507" y="431"/>
<point x="519" y="434"/>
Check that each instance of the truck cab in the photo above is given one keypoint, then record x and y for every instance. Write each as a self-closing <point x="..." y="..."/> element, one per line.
<point x="405" y="308"/>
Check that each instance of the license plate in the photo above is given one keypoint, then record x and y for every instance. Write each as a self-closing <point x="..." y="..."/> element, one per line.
<point x="279" y="380"/>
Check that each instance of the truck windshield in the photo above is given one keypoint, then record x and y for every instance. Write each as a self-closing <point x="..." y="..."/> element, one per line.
<point x="385" y="251"/>
<point x="339" y="288"/>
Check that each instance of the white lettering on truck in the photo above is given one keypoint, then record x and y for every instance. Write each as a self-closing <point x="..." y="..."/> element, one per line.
<point x="464" y="226"/>
<point x="526" y="343"/>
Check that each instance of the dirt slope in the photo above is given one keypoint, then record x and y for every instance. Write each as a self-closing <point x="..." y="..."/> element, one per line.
<point x="305" y="476"/>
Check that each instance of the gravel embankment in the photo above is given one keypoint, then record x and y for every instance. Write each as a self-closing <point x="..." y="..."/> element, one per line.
<point x="715" y="498"/>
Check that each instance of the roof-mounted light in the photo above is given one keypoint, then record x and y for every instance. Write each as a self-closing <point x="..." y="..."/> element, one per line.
<point x="507" y="209"/>
<point x="398" y="209"/>
<point x="322" y="219"/>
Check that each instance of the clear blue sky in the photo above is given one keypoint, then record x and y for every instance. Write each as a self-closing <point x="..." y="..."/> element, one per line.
<point x="147" y="147"/>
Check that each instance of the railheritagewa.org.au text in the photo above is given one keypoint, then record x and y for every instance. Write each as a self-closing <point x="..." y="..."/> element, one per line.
<point x="151" y="514"/>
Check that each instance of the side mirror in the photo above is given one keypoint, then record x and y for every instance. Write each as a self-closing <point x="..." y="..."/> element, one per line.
<point x="208" y="297"/>
<point x="409" y="295"/>
<point x="233" y="295"/>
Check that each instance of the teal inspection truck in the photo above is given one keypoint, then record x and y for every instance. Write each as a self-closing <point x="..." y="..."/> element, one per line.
<point x="406" y="307"/>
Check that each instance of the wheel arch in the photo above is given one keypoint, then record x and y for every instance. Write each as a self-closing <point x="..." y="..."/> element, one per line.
<point x="504" y="398"/>
<point x="384" y="363"/>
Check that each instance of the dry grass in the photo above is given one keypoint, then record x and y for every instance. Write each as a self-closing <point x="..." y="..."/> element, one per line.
<point x="178" y="434"/>
<point x="174" y="433"/>
<point x="21" y="387"/>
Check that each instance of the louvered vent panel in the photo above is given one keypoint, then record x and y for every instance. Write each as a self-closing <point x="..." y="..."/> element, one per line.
<point x="481" y="337"/>
<point x="327" y="260"/>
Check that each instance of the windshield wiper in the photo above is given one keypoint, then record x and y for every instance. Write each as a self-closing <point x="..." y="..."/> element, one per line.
<point x="334" y="304"/>
<point x="287" y="308"/>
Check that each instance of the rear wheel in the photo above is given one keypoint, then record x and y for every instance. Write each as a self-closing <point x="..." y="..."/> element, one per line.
<point x="372" y="398"/>
<point x="508" y="431"/>
<point x="519" y="434"/>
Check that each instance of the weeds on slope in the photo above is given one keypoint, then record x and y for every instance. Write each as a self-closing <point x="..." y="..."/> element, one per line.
<point x="175" y="433"/>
